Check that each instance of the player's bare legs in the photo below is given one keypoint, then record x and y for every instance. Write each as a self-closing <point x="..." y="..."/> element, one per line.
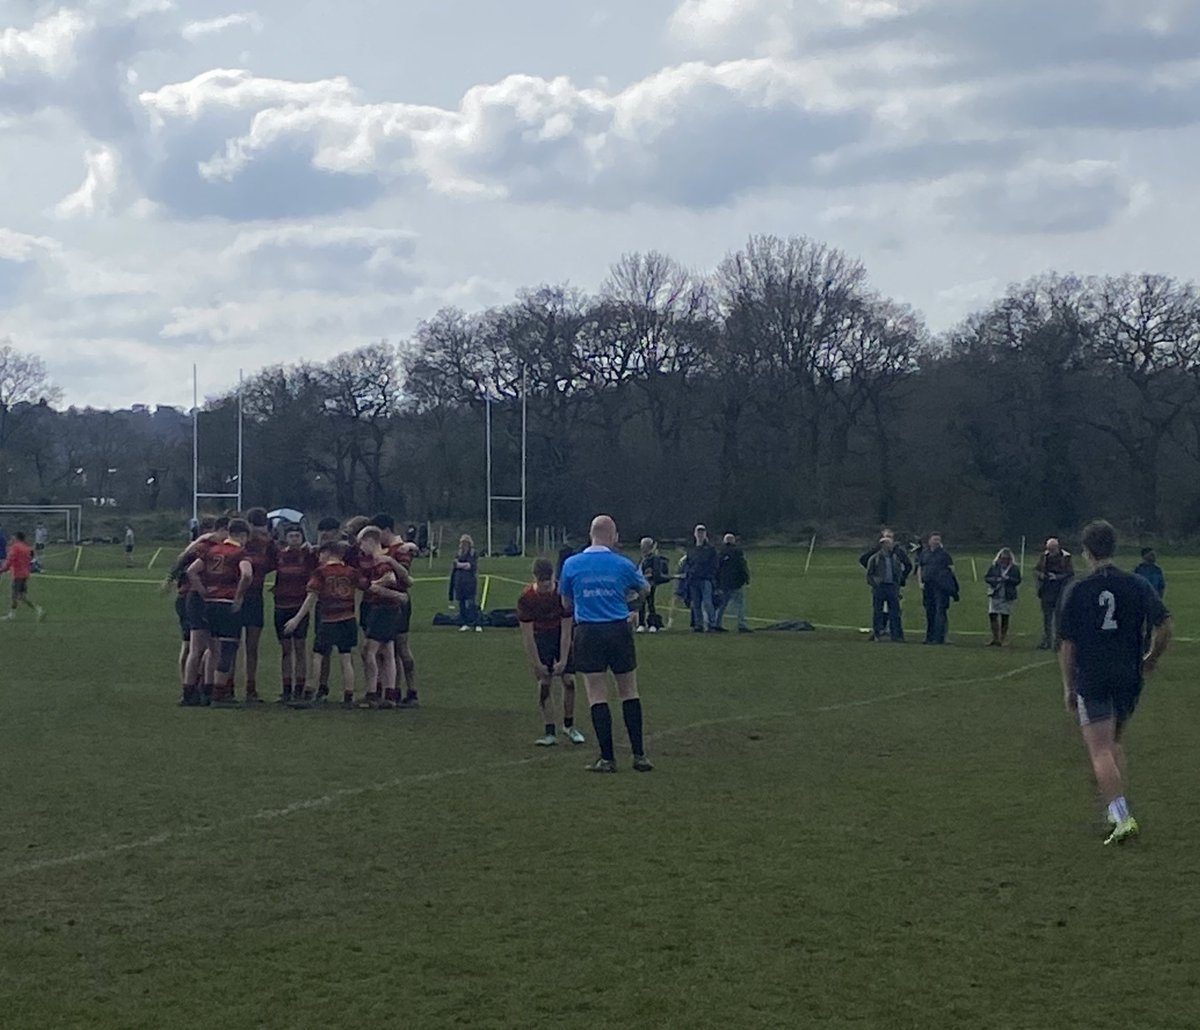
<point x="193" y="668"/>
<point x="568" y="696"/>
<point x="370" y="660"/>
<point x="407" y="666"/>
<point x="253" y="640"/>
<point x="1107" y="760"/>
<point x="347" y="662"/>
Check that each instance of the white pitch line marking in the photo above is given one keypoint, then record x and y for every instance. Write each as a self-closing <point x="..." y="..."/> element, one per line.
<point x="325" y="800"/>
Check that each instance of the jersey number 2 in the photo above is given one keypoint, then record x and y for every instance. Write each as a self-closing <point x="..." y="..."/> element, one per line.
<point x="1108" y="602"/>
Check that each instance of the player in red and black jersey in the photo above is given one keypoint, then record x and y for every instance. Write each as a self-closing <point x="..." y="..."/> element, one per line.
<point x="261" y="551"/>
<point x="189" y="607"/>
<point x="546" y="631"/>
<point x="221" y="575"/>
<point x="403" y="554"/>
<point x="294" y="566"/>
<point x="333" y="587"/>
<point x="382" y="602"/>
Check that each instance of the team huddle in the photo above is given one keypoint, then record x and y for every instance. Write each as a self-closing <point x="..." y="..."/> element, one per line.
<point x="221" y="581"/>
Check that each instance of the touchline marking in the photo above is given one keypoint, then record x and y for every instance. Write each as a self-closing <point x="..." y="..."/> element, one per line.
<point x="326" y="800"/>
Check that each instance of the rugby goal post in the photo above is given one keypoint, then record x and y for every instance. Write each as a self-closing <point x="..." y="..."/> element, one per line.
<point x="197" y="495"/>
<point x="72" y="514"/>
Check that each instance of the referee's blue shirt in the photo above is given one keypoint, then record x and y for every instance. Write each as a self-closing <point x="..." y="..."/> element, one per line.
<point x="596" y="582"/>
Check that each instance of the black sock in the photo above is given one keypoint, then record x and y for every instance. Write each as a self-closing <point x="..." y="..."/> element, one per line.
<point x="602" y="724"/>
<point x="568" y="723"/>
<point x="551" y="729"/>
<point x="632" y="710"/>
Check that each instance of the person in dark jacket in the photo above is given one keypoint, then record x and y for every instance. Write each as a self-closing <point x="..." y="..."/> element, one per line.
<point x="887" y="570"/>
<point x="939" y="586"/>
<point x="1055" y="569"/>
<point x="1151" y="572"/>
<point x="733" y="576"/>
<point x="702" y="564"/>
<point x="464" y="584"/>
<point x="1002" y="579"/>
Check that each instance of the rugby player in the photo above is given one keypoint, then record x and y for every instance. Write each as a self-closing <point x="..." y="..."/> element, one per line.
<point x="546" y="633"/>
<point x="381" y="601"/>
<point x="261" y="551"/>
<point x="332" y="590"/>
<point x="221" y="575"/>
<point x="403" y="553"/>
<point x="1104" y="659"/>
<point x="294" y="565"/>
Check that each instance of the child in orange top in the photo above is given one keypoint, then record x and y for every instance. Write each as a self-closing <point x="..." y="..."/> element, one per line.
<point x="20" y="563"/>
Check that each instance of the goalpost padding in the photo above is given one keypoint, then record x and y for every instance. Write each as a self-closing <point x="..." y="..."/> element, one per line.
<point x="30" y="513"/>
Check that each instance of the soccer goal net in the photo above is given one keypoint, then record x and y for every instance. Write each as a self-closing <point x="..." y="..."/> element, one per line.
<point x="62" y="521"/>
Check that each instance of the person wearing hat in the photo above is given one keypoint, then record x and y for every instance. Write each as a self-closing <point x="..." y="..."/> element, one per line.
<point x="702" y="565"/>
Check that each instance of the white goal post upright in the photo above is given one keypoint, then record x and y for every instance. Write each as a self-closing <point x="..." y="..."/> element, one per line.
<point x="523" y="497"/>
<point x="197" y="496"/>
<point x="73" y="513"/>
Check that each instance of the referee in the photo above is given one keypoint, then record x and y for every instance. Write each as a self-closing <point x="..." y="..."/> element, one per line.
<point x="596" y="585"/>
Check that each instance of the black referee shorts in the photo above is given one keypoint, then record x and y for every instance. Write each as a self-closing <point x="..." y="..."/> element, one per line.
<point x="604" y="646"/>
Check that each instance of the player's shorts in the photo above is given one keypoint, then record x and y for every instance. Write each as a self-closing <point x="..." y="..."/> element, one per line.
<point x="20" y="587"/>
<point x="222" y="621"/>
<point x="1100" y="702"/>
<point x="197" y="612"/>
<point x="253" y="615"/>
<point x="601" y="646"/>
<point x="404" y="621"/>
<point x="181" y="613"/>
<point x="382" y="623"/>
<point x="336" y="636"/>
<point x="364" y="614"/>
<point x="548" y="649"/>
<point x="285" y="615"/>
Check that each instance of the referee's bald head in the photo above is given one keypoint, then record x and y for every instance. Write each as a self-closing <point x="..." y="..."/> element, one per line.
<point x="604" y="531"/>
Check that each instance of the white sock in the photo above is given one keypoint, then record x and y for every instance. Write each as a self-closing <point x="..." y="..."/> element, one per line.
<point x="1118" y="811"/>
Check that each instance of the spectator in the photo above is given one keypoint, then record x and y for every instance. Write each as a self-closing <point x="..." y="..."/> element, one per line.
<point x="733" y="576"/>
<point x="1002" y="580"/>
<point x="464" y="584"/>
<point x="887" y="571"/>
<point x="1054" y="571"/>
<point x="885" y="533"/>
<point x="657" y="572"/>
<point x="1151" y="572"/>
<point x="939" y="586"/>
<point x="129" y="547"/>
<point x="566" y="551"/>
<point x="702" y="562"/>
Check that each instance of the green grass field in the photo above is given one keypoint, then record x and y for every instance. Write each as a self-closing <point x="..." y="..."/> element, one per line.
<point x="836" y="834"/>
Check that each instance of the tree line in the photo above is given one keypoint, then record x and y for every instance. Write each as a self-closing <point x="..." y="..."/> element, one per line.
<point x="776" y="393"/>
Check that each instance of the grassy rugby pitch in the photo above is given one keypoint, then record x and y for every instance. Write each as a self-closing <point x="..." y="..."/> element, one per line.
<point x="837" y="834"/>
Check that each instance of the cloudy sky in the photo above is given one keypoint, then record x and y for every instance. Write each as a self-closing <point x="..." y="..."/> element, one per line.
<point x="276" y="179"/>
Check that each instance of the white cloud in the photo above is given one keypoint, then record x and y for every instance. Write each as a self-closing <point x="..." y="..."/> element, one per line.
<point x="195" y="30"/>
<point x="95" y="194"/>
<point x="694" y="134"/>
<point x="1044" y="197"/>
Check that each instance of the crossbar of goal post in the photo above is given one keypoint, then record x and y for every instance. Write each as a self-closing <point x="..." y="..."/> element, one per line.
<point x="67" y="511"/>
<point x="523" y="497"/>
<point x="197" y="496"/>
